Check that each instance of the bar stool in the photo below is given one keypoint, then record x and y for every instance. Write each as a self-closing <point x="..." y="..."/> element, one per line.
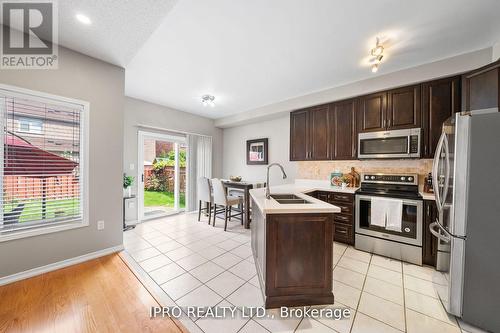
<point x="220" y="198"/>
<point x="204" y="196"/>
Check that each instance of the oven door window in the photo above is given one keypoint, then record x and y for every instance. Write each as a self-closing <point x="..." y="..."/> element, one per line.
<point x="389" y="146"/>
<point x="408" y="226"/>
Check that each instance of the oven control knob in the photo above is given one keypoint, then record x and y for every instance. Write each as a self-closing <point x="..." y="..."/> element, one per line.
<point x="367" y="177"/>
<point x="403" y="178"/>
<point x="410" y="179"/>
<point x="407" y="229"/>
<point x="373" y="177"/>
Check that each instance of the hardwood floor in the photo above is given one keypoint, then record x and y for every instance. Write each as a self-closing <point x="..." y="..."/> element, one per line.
<point x="101" y="295"/>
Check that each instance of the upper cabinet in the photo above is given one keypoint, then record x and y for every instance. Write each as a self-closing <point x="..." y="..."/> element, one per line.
<point x="299" y="134"/>
<point x="393" y="109"/>
<point x="319" y="133"/>
<point x="403" y="108"/>
<point x="372" y="112"/>
<point x="440" y="100"/>
<point x="324" y="132"/>
<point x="310" y="134"/>
<point x="481" y="88"/>
<point x="330" y="131"/>
<point x="343" y="130"/>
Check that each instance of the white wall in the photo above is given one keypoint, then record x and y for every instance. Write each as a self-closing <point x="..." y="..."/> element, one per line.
<point x="139" y="112"/>
<point x="496" y="52"/>
<point x="274" y="121"/>
<point x="101" y="84"/>
<point x="277" y="130"/>
<point x="441" y="68"/>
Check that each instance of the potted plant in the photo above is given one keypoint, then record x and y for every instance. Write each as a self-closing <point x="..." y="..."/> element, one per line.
<point x="127" y="185"/>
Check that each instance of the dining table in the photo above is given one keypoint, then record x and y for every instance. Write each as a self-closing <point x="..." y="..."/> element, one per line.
<point x="245" y="187"/>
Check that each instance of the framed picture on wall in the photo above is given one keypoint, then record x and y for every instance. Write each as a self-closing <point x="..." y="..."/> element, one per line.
<point x="257" y="152"/>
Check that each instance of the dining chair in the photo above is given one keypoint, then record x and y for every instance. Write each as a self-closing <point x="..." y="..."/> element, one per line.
<point x="220" y="198"/>
<point x="204" y="196"/>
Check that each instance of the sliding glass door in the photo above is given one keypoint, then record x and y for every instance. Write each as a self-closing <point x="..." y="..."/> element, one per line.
<point x="162" y="174"/>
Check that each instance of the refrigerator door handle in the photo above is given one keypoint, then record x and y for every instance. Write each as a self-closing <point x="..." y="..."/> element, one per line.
<point x="446" y="168"/>
<point x="432" y="228"/>
<point x="435" y="167"/>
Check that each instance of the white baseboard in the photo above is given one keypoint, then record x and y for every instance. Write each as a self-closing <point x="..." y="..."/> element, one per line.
<point x="58" y="265"/>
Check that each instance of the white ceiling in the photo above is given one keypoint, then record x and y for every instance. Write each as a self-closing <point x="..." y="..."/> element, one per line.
<point x="119" y="28"/>
<point x="255" y="53"/>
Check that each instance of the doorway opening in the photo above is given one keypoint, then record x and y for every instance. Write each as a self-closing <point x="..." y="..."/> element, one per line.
<point x="162" y="175"/>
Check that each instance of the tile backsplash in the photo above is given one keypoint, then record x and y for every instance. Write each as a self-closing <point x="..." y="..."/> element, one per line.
<point x="321" y="169"/>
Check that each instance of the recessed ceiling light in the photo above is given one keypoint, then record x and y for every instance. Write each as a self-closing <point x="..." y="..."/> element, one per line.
<point x="83" y="19"/>
<point x="208" y="100"/>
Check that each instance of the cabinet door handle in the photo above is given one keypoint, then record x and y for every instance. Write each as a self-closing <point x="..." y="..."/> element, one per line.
<point x="425" y="149"/>
<point x="341" y="231"/>
<point x="428" y="210"/>
<point x="384" y="123"/>
<point x="389" y="123"/>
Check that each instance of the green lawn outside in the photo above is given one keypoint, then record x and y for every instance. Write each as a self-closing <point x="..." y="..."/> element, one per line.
<point x="33" y="210"/>
<point x="166" y="199"/>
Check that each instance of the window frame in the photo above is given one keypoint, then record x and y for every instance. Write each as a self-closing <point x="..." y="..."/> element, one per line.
<point x="83" y="164"/>
<point x="30" y="121"/>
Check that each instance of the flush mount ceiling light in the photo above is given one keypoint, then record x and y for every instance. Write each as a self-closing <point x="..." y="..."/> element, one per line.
<point x="83" y="19"/>
<point x="208" y="100"/>
<point x="376" y="55"/>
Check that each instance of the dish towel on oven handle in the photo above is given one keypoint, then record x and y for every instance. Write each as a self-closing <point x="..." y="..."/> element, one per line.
<point x="394" y="215"/>
<point x="379" y="207"/>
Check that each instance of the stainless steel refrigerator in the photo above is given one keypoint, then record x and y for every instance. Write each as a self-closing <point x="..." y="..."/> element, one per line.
<point x="466" y="175"/>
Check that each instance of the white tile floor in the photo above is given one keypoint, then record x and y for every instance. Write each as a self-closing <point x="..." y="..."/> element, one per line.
<point x="196" y="264"/>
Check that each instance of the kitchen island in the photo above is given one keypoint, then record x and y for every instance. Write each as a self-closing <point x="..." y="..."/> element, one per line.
<point x="292" y="240"/>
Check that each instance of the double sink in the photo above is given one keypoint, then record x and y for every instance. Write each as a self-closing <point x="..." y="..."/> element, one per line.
<point x="289" y="199"/>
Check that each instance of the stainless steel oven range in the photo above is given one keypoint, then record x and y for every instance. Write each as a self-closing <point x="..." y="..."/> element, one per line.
<point x="395" y="232"/>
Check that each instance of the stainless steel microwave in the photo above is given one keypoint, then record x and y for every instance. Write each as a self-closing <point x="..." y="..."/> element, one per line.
<point x="390" y="144"/>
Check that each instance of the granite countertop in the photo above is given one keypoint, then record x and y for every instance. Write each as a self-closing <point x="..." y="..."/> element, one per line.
<point x="427" y="196"/>
<point x="300" y="188"/>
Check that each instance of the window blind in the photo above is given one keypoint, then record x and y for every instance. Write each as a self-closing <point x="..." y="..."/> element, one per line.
<point x="40" y="167"/>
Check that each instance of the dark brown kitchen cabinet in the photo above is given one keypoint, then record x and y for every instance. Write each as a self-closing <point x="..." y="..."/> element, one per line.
<point x="299" y="135"/>
<point x="319" y="133"/>
<point x="393" y="109"/>
<point x="310" y="134"/>
<point x="429" y="242"/>
<point x="440" y="100"/>
<point x="480" y="88"/>
<point x="343" y="130"/>
<point x="372" y="112"/>
<point x="403" y="108"/>
<point x="343" y="222"/>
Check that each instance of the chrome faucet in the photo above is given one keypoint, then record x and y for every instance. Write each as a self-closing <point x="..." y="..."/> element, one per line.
<point x="268" y="192"/>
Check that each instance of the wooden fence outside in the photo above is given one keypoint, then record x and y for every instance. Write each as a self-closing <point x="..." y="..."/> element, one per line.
<point x="169" y="173"/>
<point x="60" y="187"/>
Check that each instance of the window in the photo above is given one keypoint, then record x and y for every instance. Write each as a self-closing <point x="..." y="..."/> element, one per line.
<point x="30" y="125"/>
<point x="44" y="176"/>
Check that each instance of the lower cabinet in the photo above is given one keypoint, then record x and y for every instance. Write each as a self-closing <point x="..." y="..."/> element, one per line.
<point x="343" y="222"/>
<point x="429" y="242"/>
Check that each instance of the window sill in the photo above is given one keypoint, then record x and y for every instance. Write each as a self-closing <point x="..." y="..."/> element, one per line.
<point x="12" y="235"/>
